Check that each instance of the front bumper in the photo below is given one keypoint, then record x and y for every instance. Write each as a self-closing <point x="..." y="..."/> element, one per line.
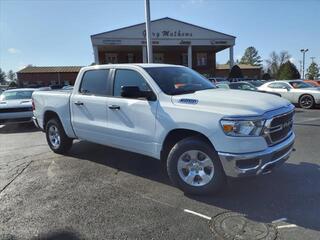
<point x="256" y="163"/>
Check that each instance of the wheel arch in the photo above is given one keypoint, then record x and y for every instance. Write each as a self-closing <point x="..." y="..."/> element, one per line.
<point x="175" y="135"/>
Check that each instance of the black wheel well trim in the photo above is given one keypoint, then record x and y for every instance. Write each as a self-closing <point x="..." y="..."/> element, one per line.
<point x="305" y="94"/>
<point x="48" y="115"/>
<point x="176" y="135"/>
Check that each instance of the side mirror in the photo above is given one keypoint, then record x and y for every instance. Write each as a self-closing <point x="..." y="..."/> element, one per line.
<point x="135" y="92"/>
<point x="288" y="89"/>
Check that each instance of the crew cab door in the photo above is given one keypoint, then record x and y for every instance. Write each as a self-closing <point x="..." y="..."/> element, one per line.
<point x="89" y="106"/>
<point x="131" y="122"/>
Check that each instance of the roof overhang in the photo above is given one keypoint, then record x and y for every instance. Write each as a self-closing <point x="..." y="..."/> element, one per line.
<point x="165" y="32"/>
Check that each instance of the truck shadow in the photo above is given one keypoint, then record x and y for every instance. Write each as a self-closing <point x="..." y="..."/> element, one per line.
<point x="18" y="128"/>
<point x="291" y="192"/>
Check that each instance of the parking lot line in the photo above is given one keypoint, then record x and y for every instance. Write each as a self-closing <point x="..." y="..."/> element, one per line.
<point x="197" y="214"/>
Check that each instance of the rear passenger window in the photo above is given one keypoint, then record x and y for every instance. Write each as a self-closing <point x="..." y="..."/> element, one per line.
<point x="128" y="78"/>
<point x="95" y="82"/>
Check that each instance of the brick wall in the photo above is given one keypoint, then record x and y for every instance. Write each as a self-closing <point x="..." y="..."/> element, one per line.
<point x="46" y="79"/>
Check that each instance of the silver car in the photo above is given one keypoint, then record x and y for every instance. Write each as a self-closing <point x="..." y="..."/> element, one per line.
<point x="16" y="105"/>
<point x="296" y="91"/>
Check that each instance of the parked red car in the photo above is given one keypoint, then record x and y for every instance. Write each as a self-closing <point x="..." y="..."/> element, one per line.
<point x="315" y="83"/>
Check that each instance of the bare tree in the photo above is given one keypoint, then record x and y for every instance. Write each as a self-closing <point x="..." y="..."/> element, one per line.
<point x="276" y="60"/>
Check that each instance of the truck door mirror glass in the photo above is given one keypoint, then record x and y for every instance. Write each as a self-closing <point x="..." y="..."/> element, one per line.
<point x="135" y="92"/>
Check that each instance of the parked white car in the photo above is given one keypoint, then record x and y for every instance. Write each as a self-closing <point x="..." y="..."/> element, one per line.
<point x="16" y="106"/>
<point x="173" y="114"/>
<point x="296" y="91"/>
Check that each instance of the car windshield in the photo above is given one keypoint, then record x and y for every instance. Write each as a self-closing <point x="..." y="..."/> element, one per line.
<point x="300" y="84"/>
<point x="14" y="95"/>
<point x="257" y="83"/>
<point x="178" y="80"/>
<point x="243" y="86"/>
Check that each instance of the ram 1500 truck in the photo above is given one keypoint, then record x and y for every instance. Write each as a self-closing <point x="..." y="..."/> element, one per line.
<point x="203" y="134"/>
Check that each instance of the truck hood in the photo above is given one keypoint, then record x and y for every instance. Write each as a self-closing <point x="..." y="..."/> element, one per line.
<point x="231" y="102"/>
<point x="16" y="103"/>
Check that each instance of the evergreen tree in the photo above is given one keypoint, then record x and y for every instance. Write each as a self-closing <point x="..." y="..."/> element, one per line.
<point x="313" y="71"/>
<point x="288" y="71"/>
<point x="251" y="57"/>
<point x="2" y="77"/>
<point x="235" y="72"/>
<point x="11" y="76"/>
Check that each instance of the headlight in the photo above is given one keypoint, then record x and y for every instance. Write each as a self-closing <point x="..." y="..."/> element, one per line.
<point x="242" y="128"/>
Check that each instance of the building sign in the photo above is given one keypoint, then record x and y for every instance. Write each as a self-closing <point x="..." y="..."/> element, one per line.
<point x="168" y="34"/>
<point x="111" y="41"/>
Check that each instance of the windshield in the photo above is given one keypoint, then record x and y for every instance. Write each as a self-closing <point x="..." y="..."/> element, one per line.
<point x="243" y="86"/>
<point x="14" y="95"/>
<point x="257" y="83"/>
<point x="300" y="84"/>
<point x="178" y="80"/>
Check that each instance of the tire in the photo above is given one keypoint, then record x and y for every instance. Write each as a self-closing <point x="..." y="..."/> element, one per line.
<point x="186" y="178"/>
<point x="57" y="139"/>
<point x="306" y="101"/>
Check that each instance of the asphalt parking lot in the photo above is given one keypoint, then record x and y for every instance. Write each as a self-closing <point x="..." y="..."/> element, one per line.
<point x="98" y="192"/>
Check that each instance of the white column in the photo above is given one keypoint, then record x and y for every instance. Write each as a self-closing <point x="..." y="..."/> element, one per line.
<point x="144" y="54"/>
<point x="96" y="54"/>
<point x="190" y="56"/>
<point x="231" y="61"/>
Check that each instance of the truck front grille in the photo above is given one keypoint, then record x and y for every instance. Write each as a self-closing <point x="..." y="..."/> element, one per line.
<point x="279" y="127"/>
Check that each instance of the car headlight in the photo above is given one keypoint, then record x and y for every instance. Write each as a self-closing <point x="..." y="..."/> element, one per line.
<point x="242" y="128"/>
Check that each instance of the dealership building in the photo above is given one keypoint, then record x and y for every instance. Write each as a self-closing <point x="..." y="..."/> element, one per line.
<point x="173" y="42"/>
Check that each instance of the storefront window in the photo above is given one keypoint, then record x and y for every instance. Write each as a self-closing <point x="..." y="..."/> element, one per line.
<point x="111" y="58"/>
<point x="184" y="59"/>
<point x="158" y="58"/>
<point x="130" y="58"/>
<point x="202" y="59"/>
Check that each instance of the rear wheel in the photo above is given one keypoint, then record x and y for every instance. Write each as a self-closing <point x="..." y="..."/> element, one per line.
<point x="306" y="101"/>
<point x="57" y="139"/>
<point x="194" y="166"/>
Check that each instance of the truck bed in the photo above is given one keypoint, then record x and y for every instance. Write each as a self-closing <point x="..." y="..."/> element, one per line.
<point x="57" y="101"/>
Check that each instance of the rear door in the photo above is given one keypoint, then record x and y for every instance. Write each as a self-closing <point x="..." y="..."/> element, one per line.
<point x="89" y="106"/>
<point x="131" y="122"/>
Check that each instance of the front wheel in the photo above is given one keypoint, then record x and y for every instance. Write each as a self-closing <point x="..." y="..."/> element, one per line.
<point x="194" y="166"/>
<point x="57" y="139"/>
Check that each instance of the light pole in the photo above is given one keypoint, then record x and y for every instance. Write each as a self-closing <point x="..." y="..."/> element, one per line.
<point x="148" y="33"/>
<point x="303" y="59"/>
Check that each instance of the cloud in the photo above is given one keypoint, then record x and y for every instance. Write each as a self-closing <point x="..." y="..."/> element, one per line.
<point x="293" y="60"/>
<point x="13" y="50"/>
<point x="189" y="3"/>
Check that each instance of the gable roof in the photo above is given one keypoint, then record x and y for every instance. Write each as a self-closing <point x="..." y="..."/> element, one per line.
<point x="50" y="69"/>
<point x="241" y="66"/>
<point x="161" y="19"/>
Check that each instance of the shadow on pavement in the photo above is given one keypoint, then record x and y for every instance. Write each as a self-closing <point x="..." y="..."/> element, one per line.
<point x="291" y="192"/>
<point x="18" y="128"/>
<point x="52" y="235"/>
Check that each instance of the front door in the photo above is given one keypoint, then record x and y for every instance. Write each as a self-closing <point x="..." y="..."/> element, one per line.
<point x="131" y="122"/>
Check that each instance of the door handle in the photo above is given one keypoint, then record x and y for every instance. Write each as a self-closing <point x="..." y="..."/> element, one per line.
<point x="78" y="103"/>
<point x="114" y="107"/>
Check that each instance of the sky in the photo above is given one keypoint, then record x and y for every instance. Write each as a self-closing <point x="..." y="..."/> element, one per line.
<point x="55" y="33"/>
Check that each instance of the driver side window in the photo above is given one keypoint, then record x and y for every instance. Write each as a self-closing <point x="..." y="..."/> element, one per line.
<point x="278" y="86"/>
<point x="126" y="78"/>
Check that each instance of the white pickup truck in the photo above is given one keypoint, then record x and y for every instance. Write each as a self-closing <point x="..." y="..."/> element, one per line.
<point x="203" y="134"/>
